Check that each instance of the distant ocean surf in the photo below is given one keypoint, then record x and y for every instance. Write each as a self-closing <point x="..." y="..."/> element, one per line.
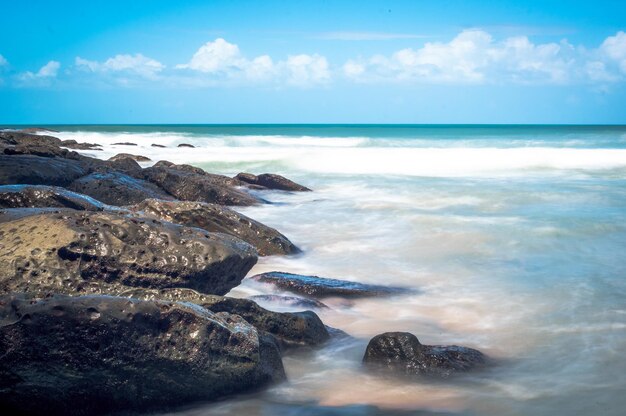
<point x="513" y="236"/>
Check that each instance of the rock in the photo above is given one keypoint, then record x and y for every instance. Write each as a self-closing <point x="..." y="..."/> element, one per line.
<point x="83" y="252"/>
<point x="73" y="144"/>
<point x="98" y="354"/>
<point x="290" y="329"/>
<point x="36" y="170"/>
<point x="186" y="183"/>
<point x="322" y="287"/>
<point x="157" y="145"/>
<point x="116" y="188"/>
<point x="271" y="181"/>
<point x="291" y="301"/>
<point x="137" y="158"/>
<point x="125" y="165"/>
<point x="402" y="354"/>
<point x="186" y="145"/>
<point x="125" y="144"/>
<point x="37" y="130"/>
<point x="216" y="218"/>
<point x="41" y="196"/>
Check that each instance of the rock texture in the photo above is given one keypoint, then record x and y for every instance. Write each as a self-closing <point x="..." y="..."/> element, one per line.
<point x="116" y="188"/>
<point x="73" y="144"/>
<point x="137" y="158"/>
<point x="193" y="184"/>
<point x="289" y="329"/>
<point x="322" y="287"/>
<point x="271" y="181"/>
<point x="291" y="301"/>
<point x="92" y="252"/>
<point x="36" y="170"/>
<point x="98" y="354"/>
<point x="216" y="218"/>
<point x="402" y="354"/>
<point x="41" y="196"/>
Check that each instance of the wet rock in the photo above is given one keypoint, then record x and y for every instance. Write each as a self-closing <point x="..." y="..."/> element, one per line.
<point x="125" y="165"/>
<point x="36" y="170"/>
<point x="188" y="183"/>
<point x="125" y="144"/>
<point x="216" y="218"/>
<point x="73" y="144"/>
<point x="291" y="301"/>
<point x="186" y="145"/>
<point x="41" y="196"/>
<point x="83" y="252"/>
<point x="157" y="145"/>
<point x="137" y="158"/>
<point x="401" y="353"/>
<point x="116" y="188"/>
<point x="97" y="354"/>
<point x="290" y="329"/>
<point x="271" y="181"/>
<point x="323" y="287"/>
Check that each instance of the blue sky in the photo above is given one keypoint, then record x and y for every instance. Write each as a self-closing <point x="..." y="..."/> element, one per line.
<point x="313" y="62"/>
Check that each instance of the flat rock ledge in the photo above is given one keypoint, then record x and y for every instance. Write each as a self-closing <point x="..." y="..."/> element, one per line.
<point x="400" y="353"/>
<point x="90" y="355"/>
<point x="320" y="287"/>
<point x="271" y="181"/>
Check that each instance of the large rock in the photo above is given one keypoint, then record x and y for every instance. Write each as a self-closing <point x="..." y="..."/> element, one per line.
<point x="80" y="251"/>
<point x="137" y="158"/>
<point x="193" y="184"/>
<point x="323" y="287"/>
<point x="42" y="196"/>
<point x="271" y="181"/>
<point x="73" y="144"/>
<point x="216" y="218"/>
<point x="402" y="354"/>
<point x="290" y="329"/>
<point x="36" y="170"/>
<point x="98" y="354"/>
<point x="116" y="188"/>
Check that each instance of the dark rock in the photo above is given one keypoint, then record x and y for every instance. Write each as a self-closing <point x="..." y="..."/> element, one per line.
<point x="116" y="188"/>
<point x="41" y="196"/>
<point x="137" y="158"/>
<point x="271" y="181"/>
<point x="402" y="354"/>
<point x="216" y="218"/>
<point x="25" y="138"/>
<point x="322" y="287"/>
<point x="83" y="252"/>
<point x="36" y="170"/>
<point x="291" y="301"/>
<point x="192" y="184"/>
<point x="291" y="329"/>
<point x="125" y="165"/>
<point x="125" y="144"/>
<point x="186" y="145"/>
<point x="97" y="354"/>
<point x="73" y="144"/>
<point x="157" y="145"/>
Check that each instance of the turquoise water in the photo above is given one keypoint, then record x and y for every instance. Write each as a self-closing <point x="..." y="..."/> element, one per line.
<point x="514" y="237"/>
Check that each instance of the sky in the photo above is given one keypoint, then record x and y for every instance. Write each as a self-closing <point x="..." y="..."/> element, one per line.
<point x="120" y="62"/>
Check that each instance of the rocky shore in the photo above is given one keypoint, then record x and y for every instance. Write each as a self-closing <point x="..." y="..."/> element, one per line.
<point x="114" y="282"/>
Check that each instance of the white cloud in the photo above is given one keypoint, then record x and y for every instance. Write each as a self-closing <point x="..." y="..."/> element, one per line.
<point x="137" y="64"/>
<point x="223" y="60"/>
<point x="44" y="75"/>
<point x="471" y="57"/>
<point x="614" y="48"/>
<point x="3" y="61"/>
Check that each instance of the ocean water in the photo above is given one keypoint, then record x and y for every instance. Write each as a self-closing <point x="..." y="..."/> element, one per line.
<point x="514" y="238"/>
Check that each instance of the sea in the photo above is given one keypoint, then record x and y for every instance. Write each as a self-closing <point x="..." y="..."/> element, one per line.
<point x="513" y="238"/>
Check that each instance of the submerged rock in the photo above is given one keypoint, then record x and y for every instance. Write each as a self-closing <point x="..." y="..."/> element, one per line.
<point x="73" y="144"/>
<point x="271" y="181"/>
<point x="157" y="145"/>
<point x="186" y="145"/>
<point x="94" y="252"/>
<point x="216" y="218"/>
<point x="137" y="158"/>
<point x="323" y="287"/>
<point x="36" y="170"/>
<point x="125" y="144"/>
<point x="97" y="354"/>
<point x="189" y="183"/>
<point x="290" y="329"/>
<point x="41" y="196"/>
<point x="116" y="188"/>
<point x="291" y="301"/>
<point x="401" y="353"/>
